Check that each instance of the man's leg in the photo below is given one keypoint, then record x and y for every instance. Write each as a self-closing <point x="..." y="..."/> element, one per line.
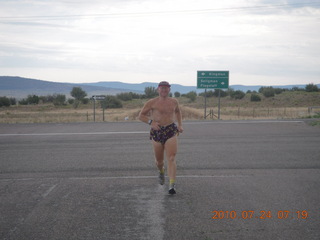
<point x="158" y="149"/>
<point x="171" y="147"/>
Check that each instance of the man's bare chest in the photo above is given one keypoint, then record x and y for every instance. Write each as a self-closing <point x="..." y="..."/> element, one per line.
<point x="164" y="108"/>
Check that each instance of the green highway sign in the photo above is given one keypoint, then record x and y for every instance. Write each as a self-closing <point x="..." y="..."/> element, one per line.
<point x="213" y="79"/>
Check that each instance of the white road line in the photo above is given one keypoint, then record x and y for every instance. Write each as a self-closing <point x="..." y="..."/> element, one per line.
<point x="124" y="177"/>
<point x="64" y="134"/>
<point x="49" y="191"/>
<point x="245" y="122"/>
<point x="146" y="132"/>
<point x="148" y="177"/>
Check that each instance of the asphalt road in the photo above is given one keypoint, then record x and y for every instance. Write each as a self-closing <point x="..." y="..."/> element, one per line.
<point x="236" y="180"/>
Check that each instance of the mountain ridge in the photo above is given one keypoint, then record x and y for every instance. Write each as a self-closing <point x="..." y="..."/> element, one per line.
<point x="20" y="87"/>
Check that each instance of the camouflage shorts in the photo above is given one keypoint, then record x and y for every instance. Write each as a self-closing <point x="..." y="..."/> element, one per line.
<point x="164" y="133"/>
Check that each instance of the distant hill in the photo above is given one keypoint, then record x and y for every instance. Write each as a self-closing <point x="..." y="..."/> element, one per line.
<point x="139" y="87"/>
<point x="19" y="87"/>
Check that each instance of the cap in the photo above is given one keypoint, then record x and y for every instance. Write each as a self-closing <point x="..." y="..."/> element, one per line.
<point x="164" y="83"/>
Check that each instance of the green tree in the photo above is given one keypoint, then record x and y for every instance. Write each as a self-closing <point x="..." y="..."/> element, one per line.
<point x="4" y="102"/>
<point x="79" y="95"/>
<point x="222" y="93"/>
<point x="59" y="99"/>
<point x="267" y="91"/>
<point x="111" y="102"/>
<point x="33" y="99"/>
<point x="312" y="88"/>
<point x="177" y="94"/>
<point x="13" y="101"/>
<point x="192" y="96"/>
<point x="207" y="94"/>
<point x="255" y="98"/>
<point x="237" y="94"/>
<point x="128" y="96"/>
<point x="279" y="90"/>
<point x="151" y="92"/>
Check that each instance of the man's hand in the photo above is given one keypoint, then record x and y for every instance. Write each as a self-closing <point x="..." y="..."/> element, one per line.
<point x="155" y="125"/>
<point x="180" y="129"/>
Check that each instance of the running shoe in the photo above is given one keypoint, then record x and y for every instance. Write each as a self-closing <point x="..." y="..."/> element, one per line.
<point x="161" y="178"/>
<point x="172" y="189"/>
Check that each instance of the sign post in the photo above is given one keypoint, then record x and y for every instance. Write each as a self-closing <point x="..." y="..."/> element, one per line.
<point x="97" y="97"/>
<point x="212" y="80"/>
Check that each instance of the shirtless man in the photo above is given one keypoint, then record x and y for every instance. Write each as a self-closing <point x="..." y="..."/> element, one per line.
<point x="160" y="113"/>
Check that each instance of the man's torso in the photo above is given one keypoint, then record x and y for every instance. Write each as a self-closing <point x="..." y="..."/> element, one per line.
<point x="163" y="110"/>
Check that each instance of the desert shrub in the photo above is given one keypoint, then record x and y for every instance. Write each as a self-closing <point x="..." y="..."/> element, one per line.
<point x="255" y="98"/>
<point x="111" y="102"/>
<point x="31" y="99"/>
<point x="59" y="99"/>
<point x="191" y="95"/>
<point x="4" y="102"/>
<point x="267" y="91"/>
<point x="312" y="88"/>
<point x="237" y="94"/>
<point x="128" y="96"/>
<point x="177" y="94"/>
<point x="151" y="92"/>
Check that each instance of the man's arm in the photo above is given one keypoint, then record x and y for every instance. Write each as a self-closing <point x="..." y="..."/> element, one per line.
<point x="143" y="115"/>
<point x="179" y="117"/>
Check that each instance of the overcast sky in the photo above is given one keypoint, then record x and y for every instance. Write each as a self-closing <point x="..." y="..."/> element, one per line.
<point x="261" y="42"/>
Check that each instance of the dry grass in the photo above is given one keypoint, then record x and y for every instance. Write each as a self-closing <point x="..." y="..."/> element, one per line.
<point x="65" y="115"/>
<point x="283" y="106"/>
<point x="54" y="115"/>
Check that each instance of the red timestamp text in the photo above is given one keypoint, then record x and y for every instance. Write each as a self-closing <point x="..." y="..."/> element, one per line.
<point x="263" y="214"/>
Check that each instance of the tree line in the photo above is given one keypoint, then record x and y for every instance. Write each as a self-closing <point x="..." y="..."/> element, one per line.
<point x="256" y="96"/>
<point x="80" y="96"/>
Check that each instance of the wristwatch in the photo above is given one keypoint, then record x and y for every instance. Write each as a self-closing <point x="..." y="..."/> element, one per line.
<point x="150" y="121"/>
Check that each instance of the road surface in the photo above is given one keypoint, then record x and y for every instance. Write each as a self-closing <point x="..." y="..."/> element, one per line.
<point x="236" y="180"/>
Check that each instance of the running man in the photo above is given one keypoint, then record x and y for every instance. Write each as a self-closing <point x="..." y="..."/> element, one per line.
<point x="160" y="113"/>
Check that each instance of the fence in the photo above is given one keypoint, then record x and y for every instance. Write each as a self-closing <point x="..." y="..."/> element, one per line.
<point x="268" y="112"/>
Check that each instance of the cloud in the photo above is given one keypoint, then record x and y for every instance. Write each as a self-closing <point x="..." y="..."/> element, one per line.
<point x="143" y="40"/>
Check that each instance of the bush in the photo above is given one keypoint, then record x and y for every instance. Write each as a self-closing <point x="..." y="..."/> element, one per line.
<point x="279" y="90"/>
<point x="13" y="101"/>
<point x="23" y="101"/>
<point x="71" y="101"/>
<point x="4" y="102"/>
<point x="128" y="96"/>
<point x="59" y="99"/>
<point x="214" y="93"/>
<point x="267" y="91"/>
<point x="237" y="94"/>
<point x="111" y="102"/>
<point x="85" y="101"/>
<point x="177" y="94"/>
<point x="222" y="93"/>
<point x="151" y="92"/>
<point x="31" y="99"/>
<point x="207" y="94"/>
<point x="255" y="98"/>
<point x="125" y="96"/>
<point x="78" y="93"/>
<point x="47" y="99"/>
<point x="296" y="89"/>
<point x="312" y="88"/>
<point x="192" y="96"/>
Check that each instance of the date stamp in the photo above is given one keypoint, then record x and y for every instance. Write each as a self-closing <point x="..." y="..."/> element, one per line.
<point x="250" y="214"/>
